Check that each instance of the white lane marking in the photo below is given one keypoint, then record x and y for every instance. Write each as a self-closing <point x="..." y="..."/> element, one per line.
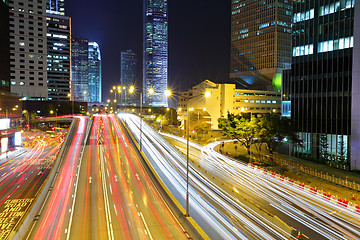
<point x="106" y="197"/>
<point x="146" y="226"/>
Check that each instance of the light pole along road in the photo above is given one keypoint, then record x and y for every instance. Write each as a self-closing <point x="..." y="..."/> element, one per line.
<point x="206" y="95"/>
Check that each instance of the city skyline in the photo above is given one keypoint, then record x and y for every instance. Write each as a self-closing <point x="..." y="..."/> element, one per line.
<point x="209" y="59"/>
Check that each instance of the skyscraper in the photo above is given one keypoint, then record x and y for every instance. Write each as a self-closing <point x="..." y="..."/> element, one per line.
<point x="80" y="68"/>
<point x="322" y="86"/>
<point x="260" y="42"/>
<point x="28" y="49"/>
<point x="155" y="68"/>
<point x="128" y="68"/>
<point x="58" y="56"/>
<point x="94" y="72"/>
<point x="4" y="48"/>
<point x="55" y="7"/>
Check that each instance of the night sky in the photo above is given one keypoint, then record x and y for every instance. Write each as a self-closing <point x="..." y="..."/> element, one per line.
<point x="199" y="37"/>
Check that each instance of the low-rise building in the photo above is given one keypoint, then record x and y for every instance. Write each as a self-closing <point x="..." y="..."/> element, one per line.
<point x="224" y="98"/>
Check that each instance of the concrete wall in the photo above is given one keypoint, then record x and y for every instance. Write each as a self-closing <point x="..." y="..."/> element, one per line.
<point x="355" y="108"/>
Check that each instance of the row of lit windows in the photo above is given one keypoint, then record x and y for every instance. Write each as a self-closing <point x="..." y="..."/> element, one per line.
<point x="336" y="7"/>
<point x="303" y="16"/>
<point x="326" y="46"/>
<point x="257" y="101"/>
<point x="23" y="84"/>
<point x="338" y="44"/>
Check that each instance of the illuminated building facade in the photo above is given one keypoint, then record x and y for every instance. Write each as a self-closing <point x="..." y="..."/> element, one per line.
<point x="94" y="72"/>
<point x="155" y="68"/>
<point x="321" y="89"/>
<point x="55" y="7"/>
<point x="80" y="68"/>
<point x="260" y="42"/>
<point x="128" y="68"/>
<point x="58" y="57"/>
<point x="129" y="75"/>
<point x="28" y="49"/>
<point x="226" y="98"/>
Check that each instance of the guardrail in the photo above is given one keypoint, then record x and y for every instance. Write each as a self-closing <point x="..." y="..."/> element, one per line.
<point x="313" y="172"/>
<point x="316" y="192"/>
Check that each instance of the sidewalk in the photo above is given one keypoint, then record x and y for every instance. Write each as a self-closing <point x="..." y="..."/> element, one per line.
<point x="305" y="171"/>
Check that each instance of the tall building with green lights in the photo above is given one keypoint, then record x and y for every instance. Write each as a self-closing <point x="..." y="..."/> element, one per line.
<point x="260" y="42"/>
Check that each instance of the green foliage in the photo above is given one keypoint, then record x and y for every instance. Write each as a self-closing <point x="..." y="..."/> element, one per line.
<point x="269" y="130"/>
<point x="272" y="129"/>
<point x="239" y="128"/>
<point x="341" y="150"/>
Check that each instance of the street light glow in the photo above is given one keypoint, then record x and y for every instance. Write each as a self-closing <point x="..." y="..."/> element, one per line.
<point x="151" y="91"/>
<point x="207" y="94"/>
<point x="168" y="93"/>
<point x="131" y="90"/>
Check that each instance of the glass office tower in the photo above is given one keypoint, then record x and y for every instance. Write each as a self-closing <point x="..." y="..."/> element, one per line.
<point x="128" y="77"/>
<point x="155" y="68"/>
<point x="128" y="68"/>
<point x="94" y="72"/>
<point x="58" y="57"/>
<point x="80" y="68"/>
<point x="55" y="7"/>
<point x="260" y="42"/>
<point x="319" y="86"/>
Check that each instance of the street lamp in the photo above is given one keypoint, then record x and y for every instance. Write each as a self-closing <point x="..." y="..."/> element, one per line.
<point x="72" y="103"/>
<point x="151" y="92"/>
<point x="206" y="95"/>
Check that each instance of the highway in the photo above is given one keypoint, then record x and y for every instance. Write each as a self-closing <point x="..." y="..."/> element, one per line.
<point x="231" y="201"/>
<point x="216" y="213"/>
<point x="21" y="179"/>
<point x="103" y="191"/>
<point x="316" y="218"/>
<point x="116" y="198"/>
<point x="56" y="213"/>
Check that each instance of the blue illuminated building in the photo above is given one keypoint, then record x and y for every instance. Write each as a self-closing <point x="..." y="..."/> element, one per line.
<point x="94" y="72"/>
<point x="155" y="68"/>
<point x="322" y="87"/>
<point x="128" y="76"/>
<point x="128" y="68"/>
<point x="80" y="69"/>
<point x="55" y="7"/>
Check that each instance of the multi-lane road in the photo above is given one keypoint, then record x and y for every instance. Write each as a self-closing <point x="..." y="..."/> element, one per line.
<point x="251" y="205"/>
<point x="103" y="191"/>
<point x="21" y="179"/>
<point x="315" y="217"/>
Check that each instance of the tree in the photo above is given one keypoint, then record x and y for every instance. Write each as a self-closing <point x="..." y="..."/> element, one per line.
<point x="272" y="129"/>
<point x="323" y="146"/>
<point x="238" y="128"/>
<point x="341" y="150"/>
<point x="202" y="129"/>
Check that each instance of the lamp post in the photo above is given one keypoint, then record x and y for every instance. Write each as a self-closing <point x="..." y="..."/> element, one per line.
<point x="151" y="91"/>
<point x="206" y="94"/>
<point x="72" y="103"/>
